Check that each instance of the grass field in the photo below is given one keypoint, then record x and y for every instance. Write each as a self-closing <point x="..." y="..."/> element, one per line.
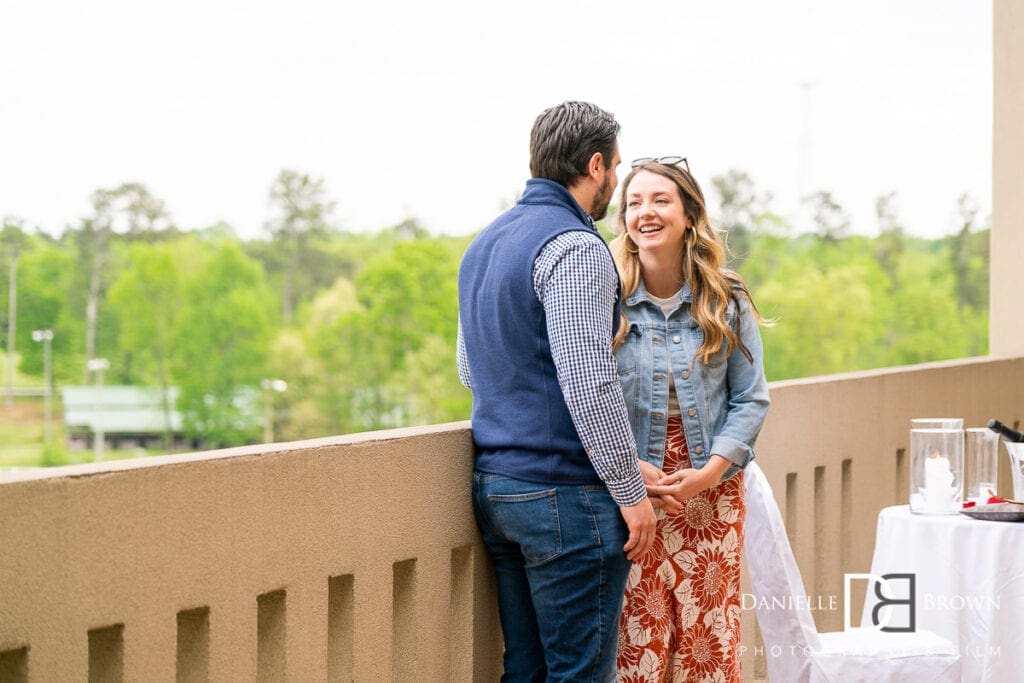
<point x="22" y="431"/>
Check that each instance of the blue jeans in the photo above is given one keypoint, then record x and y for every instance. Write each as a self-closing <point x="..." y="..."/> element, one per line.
<point x="560" y="572"/>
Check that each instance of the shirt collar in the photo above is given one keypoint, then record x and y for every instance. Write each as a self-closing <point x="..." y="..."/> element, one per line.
<point x="544" y="191"/>
<point x="641" y="294"/>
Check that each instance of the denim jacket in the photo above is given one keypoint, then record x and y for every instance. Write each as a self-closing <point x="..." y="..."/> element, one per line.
<point x="723" y="403"/>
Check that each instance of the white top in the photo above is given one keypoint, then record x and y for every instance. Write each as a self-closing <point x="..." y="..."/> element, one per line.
<point x="667" y="306"/>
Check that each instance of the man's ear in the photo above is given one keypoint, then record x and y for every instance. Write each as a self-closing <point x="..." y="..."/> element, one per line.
<point x="595" y="167"/>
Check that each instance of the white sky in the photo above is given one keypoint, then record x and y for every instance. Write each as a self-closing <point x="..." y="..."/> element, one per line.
<point x="412" y="108"/>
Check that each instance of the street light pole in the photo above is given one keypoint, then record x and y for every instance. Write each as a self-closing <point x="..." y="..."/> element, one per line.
<point x="12" y="316"/>
<point x="269" y="387"/>
<point x="46" y="336"/>
<point x="98" y="365"/>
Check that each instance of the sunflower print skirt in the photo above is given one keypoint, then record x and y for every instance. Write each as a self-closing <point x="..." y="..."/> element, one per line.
<point x="681" y="618"/>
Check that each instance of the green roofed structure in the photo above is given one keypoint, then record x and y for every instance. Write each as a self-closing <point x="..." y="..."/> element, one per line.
<point x="127" y="415"/>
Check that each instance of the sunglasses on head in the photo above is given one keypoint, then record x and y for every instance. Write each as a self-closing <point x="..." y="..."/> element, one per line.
<point x="664" y="161"/>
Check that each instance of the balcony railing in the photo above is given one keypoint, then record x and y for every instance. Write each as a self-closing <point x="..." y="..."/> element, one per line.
<point x="357" y="558"/>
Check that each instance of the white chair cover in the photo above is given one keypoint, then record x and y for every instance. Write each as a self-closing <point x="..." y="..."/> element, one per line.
<point x="794" y="650"/>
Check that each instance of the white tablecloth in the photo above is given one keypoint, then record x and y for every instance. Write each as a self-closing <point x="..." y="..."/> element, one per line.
<point x="969" y="578"/>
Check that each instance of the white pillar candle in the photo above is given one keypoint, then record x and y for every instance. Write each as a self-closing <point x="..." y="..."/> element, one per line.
<point x="938" y="485"/>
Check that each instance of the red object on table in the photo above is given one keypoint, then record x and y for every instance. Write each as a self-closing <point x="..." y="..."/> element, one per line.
<point x="991" y="501"/>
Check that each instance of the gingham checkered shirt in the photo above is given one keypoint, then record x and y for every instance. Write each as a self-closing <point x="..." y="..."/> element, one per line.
<point x="575" y="280"/>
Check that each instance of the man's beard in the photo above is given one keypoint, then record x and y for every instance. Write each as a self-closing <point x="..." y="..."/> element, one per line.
<point x="599" y="207"/>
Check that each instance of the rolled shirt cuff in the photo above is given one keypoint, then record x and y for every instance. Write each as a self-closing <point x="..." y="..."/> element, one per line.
<point x="732" y="450"/>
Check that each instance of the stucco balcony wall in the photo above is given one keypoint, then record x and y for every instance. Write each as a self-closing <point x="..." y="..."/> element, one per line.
<point x="362" y="547"/>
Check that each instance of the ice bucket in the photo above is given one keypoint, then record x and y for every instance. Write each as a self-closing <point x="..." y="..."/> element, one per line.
<point x="1016" y="451"/>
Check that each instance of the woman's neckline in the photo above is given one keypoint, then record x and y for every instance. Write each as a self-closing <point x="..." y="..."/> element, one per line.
<point x="667" y="299"/>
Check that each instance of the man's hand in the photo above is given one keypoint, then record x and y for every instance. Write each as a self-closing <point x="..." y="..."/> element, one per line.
<point x="650" y="473"/>
<point x="642" y="526"/>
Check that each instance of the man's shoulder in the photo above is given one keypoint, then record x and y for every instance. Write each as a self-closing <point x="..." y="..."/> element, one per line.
<point x="571" y="252"/>
<point x="572" y="238"/>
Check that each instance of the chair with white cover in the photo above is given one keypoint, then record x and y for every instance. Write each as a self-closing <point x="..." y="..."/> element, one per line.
<point x="794" y="650"/>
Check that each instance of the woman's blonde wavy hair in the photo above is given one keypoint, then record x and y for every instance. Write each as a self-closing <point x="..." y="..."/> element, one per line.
<point x="704" y="255"/>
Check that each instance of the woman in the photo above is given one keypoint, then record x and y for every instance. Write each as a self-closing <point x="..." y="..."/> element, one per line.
<point x="689" y="356"/>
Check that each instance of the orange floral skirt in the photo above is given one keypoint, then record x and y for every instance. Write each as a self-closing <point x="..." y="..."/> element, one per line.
<point x="681" y="618"/>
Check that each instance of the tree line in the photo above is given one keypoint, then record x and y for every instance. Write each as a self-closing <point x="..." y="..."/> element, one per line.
<point x="362" y="325"/>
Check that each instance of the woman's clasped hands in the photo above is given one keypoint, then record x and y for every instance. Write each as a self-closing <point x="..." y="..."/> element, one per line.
<point x="669" y="491"/>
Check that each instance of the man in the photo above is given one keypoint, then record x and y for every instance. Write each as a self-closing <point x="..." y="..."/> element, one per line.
<point x="556" y="483"/>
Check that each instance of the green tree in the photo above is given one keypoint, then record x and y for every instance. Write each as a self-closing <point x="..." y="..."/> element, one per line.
<point x="740" y="211"/>
<point x="969" y="257"/>
<point x="147" y="298"/>
<point x="891" y="243"/>
<point x="12" y="240"/>
<point x="316" y="401"/>
<point x="407" y="302"/>
<point x="303" y="216"/>
<point x="131" y="209"/>
<point x="929" y="326"/>
<point x="830" y="221"/>
<point x="223" y="333"/>
<point x="432" y="382"/>
<point x="44" y="274"/>
<point x="93" y="238"/>
<point x="826" y="319"/>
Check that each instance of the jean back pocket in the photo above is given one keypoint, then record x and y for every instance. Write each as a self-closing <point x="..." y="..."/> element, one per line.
<point x="531" y="520"/>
